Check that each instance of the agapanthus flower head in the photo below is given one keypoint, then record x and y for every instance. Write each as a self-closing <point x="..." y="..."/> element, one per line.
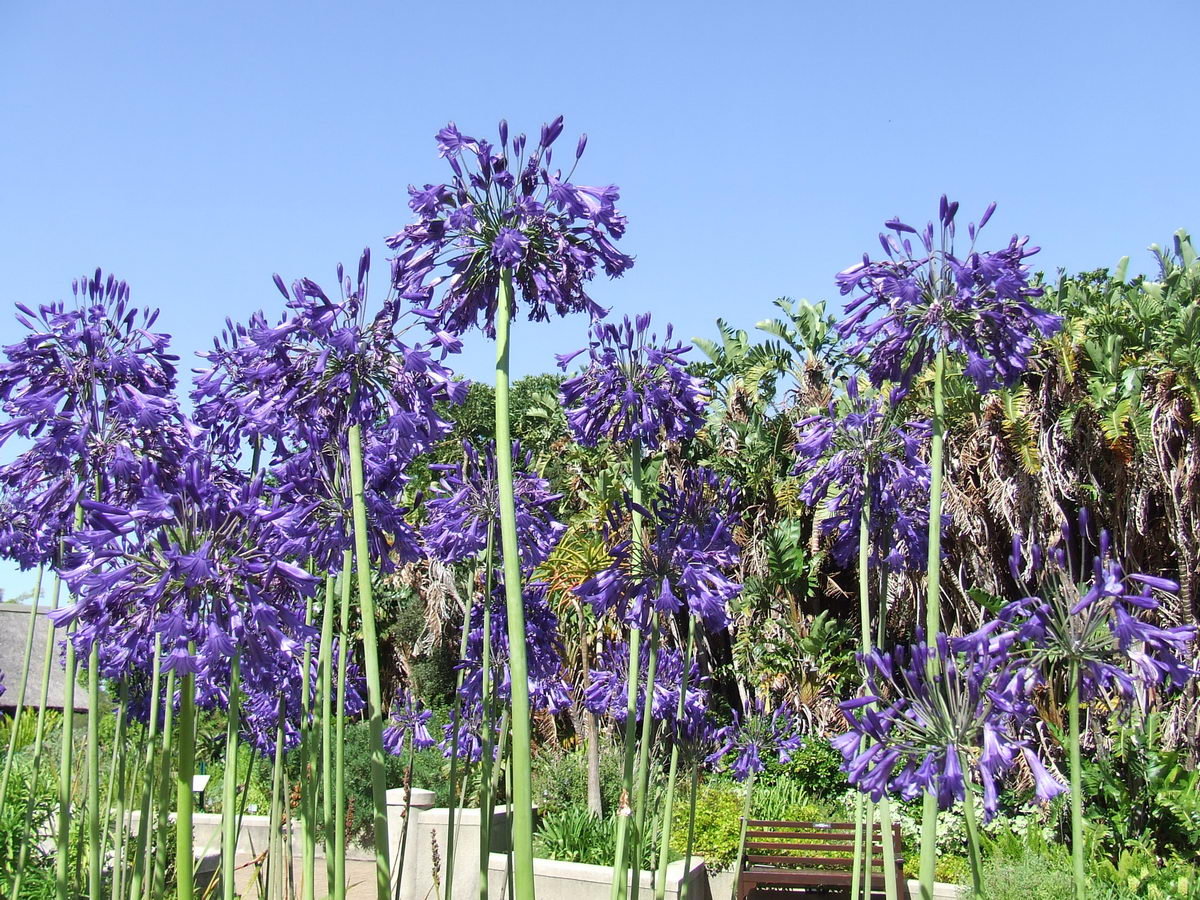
<point x="505" y="209"/>
<point x="931" y="718"/>
<point x="754" y="737"/>
<point x="923" y="297"/>
<point x="634" y="388"/>
<point x="90" y="390"/>
<point x="607" y="689"/>
<point x="1083" y="611"/>
<point x="467" y="504"/>
<point x="295" y="389"/>
<point x="859" y="455"/>
<point x="199" y="559"/>
<point x="683" y="560"/>
<point x="409" y="721"/>
<point x="547" y="685"/>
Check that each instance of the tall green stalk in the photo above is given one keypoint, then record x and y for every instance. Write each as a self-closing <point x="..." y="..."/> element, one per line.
<point x="338" y="890"/>
<point x="622" y="854"/>
<point x="1078" y="863"/>
<point x="308" y="773"/>
<point x="643" y="765"/>
<point x="39" y="736"/>
<point x="974" y="855"/>
<point x="184" y="797"/>
<point x="62" y="865"/>
<point x="521" y="798"/>
<point x="455" y="716"/>
<point x="140" y="854"/>
<point x="747" y="805"/>
<point x="325" y="685"/>
<point x="366" y="601"/>
<point x="158" y="883"/>
<point x="120" y="751"/>
<point x="275" y="858"/>
<point x="863" y="850"/>
<point x="229" y="820"/>
<point x="15" y="722"/>
<point x="933" y="601"/>
<point x="664" y="843"/>
<point x="93" y="773"/>
<point x="691" y="829"/>
<point x="486" y="792"/>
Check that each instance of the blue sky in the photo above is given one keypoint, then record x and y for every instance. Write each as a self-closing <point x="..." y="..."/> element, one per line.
<point x="194" y="149"/>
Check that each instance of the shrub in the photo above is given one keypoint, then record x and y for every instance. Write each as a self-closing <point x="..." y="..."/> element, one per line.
<point x="718" y="823"/>
<point x="25" y="792"/>
<point x="573" y="834"/>
<point x="815" y="768"/>
<point x="560" y="779"/>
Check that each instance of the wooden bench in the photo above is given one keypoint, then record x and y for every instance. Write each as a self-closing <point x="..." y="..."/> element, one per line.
<point x="798" y="857"/>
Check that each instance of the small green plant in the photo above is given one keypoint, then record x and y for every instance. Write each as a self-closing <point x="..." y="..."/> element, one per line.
<point x="718" y="824"/>
<point x="1138" y="872"/>
<point x="573" y="834"/>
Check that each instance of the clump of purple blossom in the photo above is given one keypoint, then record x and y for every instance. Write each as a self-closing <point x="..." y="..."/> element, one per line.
<point x="409" y="720"/>
<point x="863" y="457"/>
<point x="933" y="717"/>
<point x="922" y="299"/>
<point x="683" y="561"/>
<point x="607" y="689"/>
<point x="503" y="210"/>
<point x="753" y="737"/>
<point x="633" y="388"/>
<point x="1083" y="611"/>
<point x="466" y="506"/>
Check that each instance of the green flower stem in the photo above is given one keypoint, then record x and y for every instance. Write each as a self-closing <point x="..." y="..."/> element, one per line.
<point x="1077" y="849"/>
<point x="747" y="805"/>
<point x="20" y="695"/>
<point x="521" y="798"/>
<point x="863" y="850"/>
<point x="933" y="600"/>
<point x="338" y="889"/>
<point x="308" y="772"/>
<point x="229" y="821"/>
<point x="487" y="757"/>
<point x="891" y="888"/>
<point x="117" y="784"/>
<point x="143" y="832"/>
<point x="275" y="858"/>
<point x="93" y="773"/>
<point x="62" y="863"/>
<point x="974" y="856"/>
<point x="366" y="600"/>
<point x="623" y="851"/>
<point x="39" y="737"/>
<point x="691" y="829"/>
<point x="664" y="843"/>
<point x="455" y="715"/>
<point x="158" y="884"/>
<point x="637" y="842"/>
<point x="325" y="686"/>
<point x="184" y="798"/>
<point x="856" y="878"/>
<point x="408" y="773"/>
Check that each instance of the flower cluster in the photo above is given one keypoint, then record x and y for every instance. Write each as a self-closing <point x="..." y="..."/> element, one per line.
<point x="754" y="736"/>
<point x="919" y="301"/>
<point x="1083" y="611"/>
<point x="466" y="508"/>
<point x="633" y="388"/>
<point x="90" y="389"/>
<point x="863" y="458"/>
<point x="295" y="389"/>
<point x="607" y="690"/>
<point x="931" y="716"/>
<point x="505" y="212"/>
<point x="682" y="561"/>
<point x="409" y="721"/>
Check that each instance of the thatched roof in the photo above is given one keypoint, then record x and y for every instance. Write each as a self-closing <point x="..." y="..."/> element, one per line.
<point x="14" y="631"/>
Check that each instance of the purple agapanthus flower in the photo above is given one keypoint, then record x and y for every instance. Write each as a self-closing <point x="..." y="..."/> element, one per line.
<point x="1083" y="611"/>
<point x="505" y="211"/>
<point x="409" y="720"/>
<point x="548" y="689"/>
<point x="607" y="689"/>
<point x="295" y="389"/>
<point x="932" y="718"/>
<point x="467" y="504"/>
<point x="860" y="455"/>
<point x="200" y="559"/>
<point x="683" y="561"/>
<point x="633" y="388"/>
<point x="754" y="737"/>
<point x="89" y="392"/>
<point x="920" y="300"/>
